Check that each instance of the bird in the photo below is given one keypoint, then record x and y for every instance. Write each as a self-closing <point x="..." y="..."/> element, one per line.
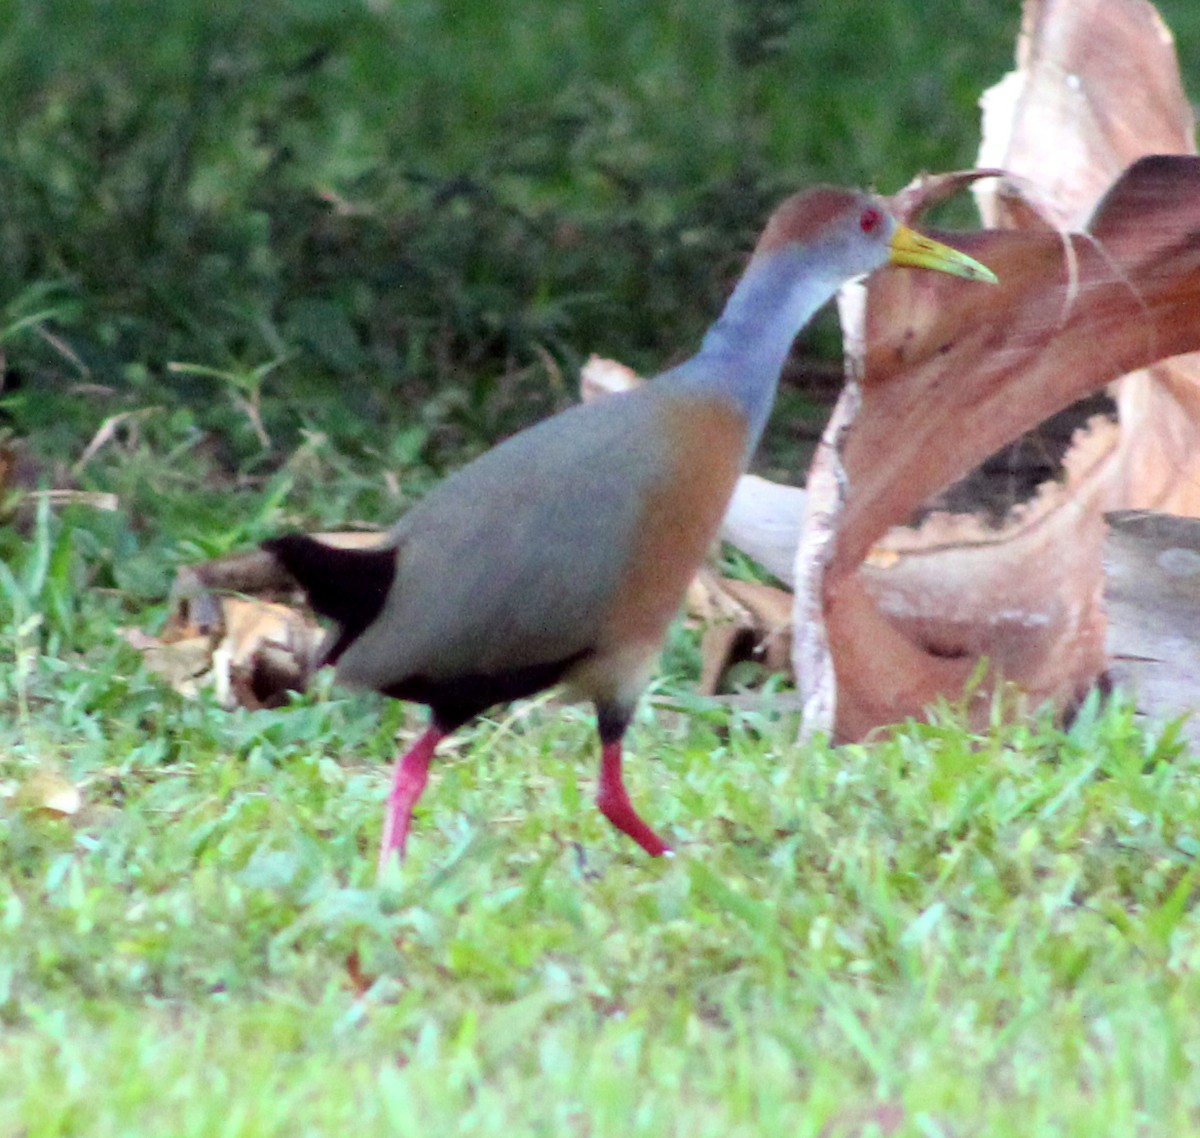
<point x="561" y="555"/>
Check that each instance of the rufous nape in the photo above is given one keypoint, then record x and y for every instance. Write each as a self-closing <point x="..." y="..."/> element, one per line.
<point x="561" y="555"/>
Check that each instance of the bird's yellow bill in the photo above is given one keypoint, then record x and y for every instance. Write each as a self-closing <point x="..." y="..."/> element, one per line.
<point x="911" y="248"/>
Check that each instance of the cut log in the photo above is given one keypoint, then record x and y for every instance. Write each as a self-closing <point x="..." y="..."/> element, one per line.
<point x="1152" y="594"/>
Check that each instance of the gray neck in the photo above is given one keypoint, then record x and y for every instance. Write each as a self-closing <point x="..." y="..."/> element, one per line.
<point x="744" y="351"/>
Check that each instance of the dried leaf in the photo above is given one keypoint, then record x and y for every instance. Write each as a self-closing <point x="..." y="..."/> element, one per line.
<point x="599" y="377"/>
<point x="252" y="650"/>
<point x="1158" y="464"/>
<point x="96" y="499"/>
<point x="49" y="792"/>
<point x="266" y="651"/>
<point x="360" y="982"/>
<point x="11" y="456"/>
<point x="743" y="620"/>
<point x="106" y="432"/>
<point x="718" y="651"/>
<point x="771" y="611"/>
<point x="1097" y="86"/>
<point x="948" y="379"/>
<point x="183" y="663"/>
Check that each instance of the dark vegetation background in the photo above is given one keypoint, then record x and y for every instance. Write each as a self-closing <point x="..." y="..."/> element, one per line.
<point x="361" y="241"/>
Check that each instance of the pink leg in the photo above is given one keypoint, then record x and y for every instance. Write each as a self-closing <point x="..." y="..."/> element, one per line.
<point x="408" y="780"/>
<point x="614" y="803"/>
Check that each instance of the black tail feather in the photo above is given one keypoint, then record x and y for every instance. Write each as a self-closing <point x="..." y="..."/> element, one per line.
<point x="346" y="585"/>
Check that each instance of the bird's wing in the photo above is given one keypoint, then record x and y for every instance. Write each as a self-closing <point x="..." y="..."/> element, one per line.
<point x="513" y="560"/>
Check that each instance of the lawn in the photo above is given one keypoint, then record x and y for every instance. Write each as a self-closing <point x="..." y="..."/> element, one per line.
<point x="294" y="262"/>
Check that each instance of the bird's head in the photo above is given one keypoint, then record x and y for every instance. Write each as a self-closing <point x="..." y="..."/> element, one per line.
<point x="853" y="233"/>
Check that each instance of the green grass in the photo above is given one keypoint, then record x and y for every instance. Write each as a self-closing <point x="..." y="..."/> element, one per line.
<point x="995" y="932"/>
<point x="316" y="254"/>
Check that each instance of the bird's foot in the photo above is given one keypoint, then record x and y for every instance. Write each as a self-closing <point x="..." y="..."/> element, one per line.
<point x="613" y="801"/>
<point x="408" y="781"/>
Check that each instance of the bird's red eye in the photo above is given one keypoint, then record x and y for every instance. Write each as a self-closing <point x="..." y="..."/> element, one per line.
<point x="870" y="220"/>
